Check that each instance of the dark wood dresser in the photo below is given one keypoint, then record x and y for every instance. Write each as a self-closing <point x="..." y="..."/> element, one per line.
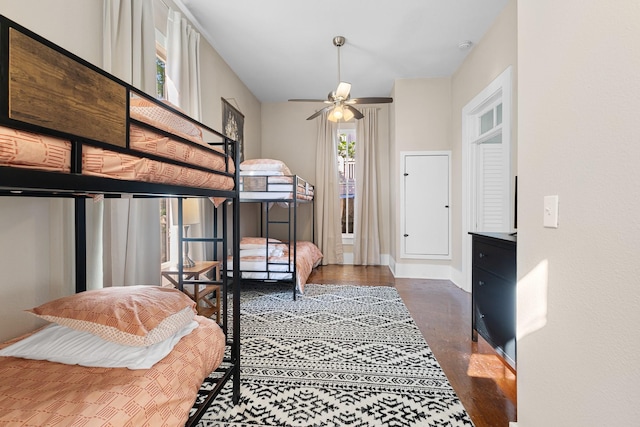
<point x="494" y="292"/>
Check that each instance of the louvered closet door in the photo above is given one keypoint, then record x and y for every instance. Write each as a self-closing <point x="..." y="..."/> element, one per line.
<point x="426" y="225"/>
<point x="492" y="195"/>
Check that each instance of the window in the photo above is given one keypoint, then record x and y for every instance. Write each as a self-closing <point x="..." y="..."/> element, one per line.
<point x="165" y="242"/>
<point x="347" y="170"/>
<point x="160" y="78"/>
<point x="161" y="91"/>
<point x="491" y="193"/>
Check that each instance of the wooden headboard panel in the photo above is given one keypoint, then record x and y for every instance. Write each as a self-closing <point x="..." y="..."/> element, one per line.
<point x="51" y="90"/>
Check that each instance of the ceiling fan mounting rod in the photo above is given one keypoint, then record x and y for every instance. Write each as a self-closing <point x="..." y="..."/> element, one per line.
<point x="339" y="41"/>
<point x="340" y="103"/>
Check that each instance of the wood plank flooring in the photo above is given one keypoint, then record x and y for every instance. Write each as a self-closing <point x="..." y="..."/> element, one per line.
<point x="484" y="383"/>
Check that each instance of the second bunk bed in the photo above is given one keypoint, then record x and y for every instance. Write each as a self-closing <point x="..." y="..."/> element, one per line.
<point x="277" y="254"/>
<point x="68" y="129"/>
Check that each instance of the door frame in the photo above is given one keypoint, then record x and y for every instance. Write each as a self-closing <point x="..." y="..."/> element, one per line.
<point x="500" y="86"/>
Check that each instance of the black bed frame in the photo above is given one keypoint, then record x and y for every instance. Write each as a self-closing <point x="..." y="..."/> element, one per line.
<point x="38" y="183"/>
<point x="268" y="224"/>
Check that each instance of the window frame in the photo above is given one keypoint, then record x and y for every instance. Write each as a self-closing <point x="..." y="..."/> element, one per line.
<point x="349" y="129"/>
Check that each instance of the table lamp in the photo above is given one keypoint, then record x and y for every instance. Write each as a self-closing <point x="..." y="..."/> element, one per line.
<point x="190" y="216"/>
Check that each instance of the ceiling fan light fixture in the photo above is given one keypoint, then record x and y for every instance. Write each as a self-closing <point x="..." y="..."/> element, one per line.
<point x="336" y="114"/>
<point x="340" y="113"/>
<point x="348" y="115"/>
<point x="340" y="101"/>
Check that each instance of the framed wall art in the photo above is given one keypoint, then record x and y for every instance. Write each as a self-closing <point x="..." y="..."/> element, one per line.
<point x="233" y="126"/>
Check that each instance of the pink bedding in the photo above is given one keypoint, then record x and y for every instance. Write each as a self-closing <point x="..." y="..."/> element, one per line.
<point x="279" y="264"/>
<point x="38" y="393"/>
<point x="34" y="151"/>
<point x="37" y="151"/>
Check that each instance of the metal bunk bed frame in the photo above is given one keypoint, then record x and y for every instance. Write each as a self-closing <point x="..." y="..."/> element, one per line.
<point x="291" y="223"/>
<point x="18" y="182"/>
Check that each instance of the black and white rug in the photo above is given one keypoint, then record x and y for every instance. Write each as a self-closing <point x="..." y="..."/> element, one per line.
<point x="338" y="356"/>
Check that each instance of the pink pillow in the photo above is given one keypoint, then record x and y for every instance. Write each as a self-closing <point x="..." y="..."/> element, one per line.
<point x="128" y="315"/>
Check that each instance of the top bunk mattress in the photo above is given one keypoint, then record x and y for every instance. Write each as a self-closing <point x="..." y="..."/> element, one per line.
<point x="272" y="180"/>
<point x="58" y="105"/>
<point x="30" y="150"/>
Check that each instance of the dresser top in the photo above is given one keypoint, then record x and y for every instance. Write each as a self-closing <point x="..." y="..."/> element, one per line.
<point x="507" y="237"/>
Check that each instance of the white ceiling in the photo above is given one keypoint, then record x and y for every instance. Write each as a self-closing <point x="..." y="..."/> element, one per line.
<point x="283" y="49"/>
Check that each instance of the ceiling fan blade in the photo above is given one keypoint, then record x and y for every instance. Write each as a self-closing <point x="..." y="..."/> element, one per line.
<point x="343" y="90"/>
<point x="371" y="100"/>
<point x="356" y="114"/>
<point x="319" y="112"/>
<point x="307" y="100"/>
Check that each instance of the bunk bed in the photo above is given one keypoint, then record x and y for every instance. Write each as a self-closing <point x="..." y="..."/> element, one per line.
<point x="69" y="129"/>
<point x="265" y="258"/>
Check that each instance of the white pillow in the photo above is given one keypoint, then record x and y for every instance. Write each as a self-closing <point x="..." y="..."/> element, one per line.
<point x="57" y="343"/>
<point x="261" y="252"/>
<point x="265" y="165"/>
<point x="261" y="173"/>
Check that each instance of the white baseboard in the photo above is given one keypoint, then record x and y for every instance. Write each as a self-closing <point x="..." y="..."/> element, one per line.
<point x="347" y="259"/>
<point x="422" y="270"/>
<point x="513" y="424"/>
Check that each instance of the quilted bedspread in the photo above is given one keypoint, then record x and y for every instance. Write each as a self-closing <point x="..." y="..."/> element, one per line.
<point x="39" y="393"/>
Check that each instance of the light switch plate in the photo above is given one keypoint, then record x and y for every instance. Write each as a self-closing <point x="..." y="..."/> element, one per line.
<point x="550" y="211"/>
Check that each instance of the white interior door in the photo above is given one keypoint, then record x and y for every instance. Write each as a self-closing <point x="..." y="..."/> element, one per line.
<point x="426" y="213"/>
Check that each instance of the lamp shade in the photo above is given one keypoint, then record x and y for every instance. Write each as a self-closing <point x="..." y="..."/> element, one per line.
<point x="190" y="211"/>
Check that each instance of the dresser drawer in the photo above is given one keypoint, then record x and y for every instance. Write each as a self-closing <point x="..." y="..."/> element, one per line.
<point x="494" y="307"/>
<point x="497" y="258"/>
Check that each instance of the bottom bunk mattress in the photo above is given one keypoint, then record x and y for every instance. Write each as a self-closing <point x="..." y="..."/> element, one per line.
<point x="275" y="261"/>
<point x="39" y="392"/>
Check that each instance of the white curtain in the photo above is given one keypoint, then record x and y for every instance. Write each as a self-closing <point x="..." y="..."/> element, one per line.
<point x="183" y="65"/>
<point x="366" y="241"/>
<point x="125" y="234"/>
<point x="328" y="220"/>
<point x="183" y="90"/>
<point x="128" y="43"/>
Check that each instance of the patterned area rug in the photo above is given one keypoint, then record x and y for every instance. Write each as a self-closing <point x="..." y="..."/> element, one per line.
<point x="338" y="356"/>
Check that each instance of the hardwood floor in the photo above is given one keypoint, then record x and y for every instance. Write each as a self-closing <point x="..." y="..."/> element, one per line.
<point x="484" y="383"/>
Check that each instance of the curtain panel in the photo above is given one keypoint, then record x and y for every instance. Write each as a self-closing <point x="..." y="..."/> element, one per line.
<point x="327" y="193"/>
<point x="183" y="65"/>
<point x="366" y="241"/>
<point x="124" y="234"/>
<point x="183" y="90"/>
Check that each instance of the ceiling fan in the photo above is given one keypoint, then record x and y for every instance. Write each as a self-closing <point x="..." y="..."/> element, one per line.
<point x="340" y="102"/>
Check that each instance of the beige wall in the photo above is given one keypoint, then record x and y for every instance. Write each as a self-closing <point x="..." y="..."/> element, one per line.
<point x="578" y="290"/>
<point x="489" y="58"/>
<point x="36" y="240"/>
<point x="36" y="254"/>
<point x="422" y="111"/>
<point x="427" y="116"/>
<point x="288" y="136"/>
